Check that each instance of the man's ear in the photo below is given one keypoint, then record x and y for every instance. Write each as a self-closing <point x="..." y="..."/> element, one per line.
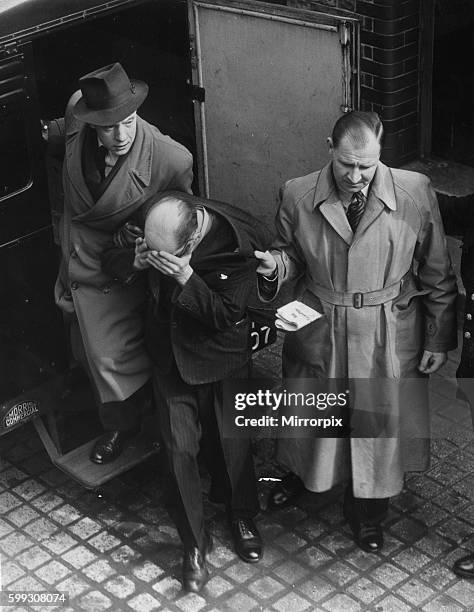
<point x="330" y="144"/>
<point x="192" y="244"/>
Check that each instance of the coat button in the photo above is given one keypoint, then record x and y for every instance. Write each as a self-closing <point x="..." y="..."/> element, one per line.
<point x="467" y="335"/>
<point x="74" y="285"/>
<point x="469" y="316"/>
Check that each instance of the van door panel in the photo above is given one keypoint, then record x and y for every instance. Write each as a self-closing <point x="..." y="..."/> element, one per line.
<point x="275" y="81"/>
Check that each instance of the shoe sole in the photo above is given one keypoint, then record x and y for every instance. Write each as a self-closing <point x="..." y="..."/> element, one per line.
<point x="463" y="573"/>
<point x="249" y="560"/>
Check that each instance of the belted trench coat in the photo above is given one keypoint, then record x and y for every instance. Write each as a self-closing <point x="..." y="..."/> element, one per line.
<point x="110" y="315"/>
<point x="399" y="245"/>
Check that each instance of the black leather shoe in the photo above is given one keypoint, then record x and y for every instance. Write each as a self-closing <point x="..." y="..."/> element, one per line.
<point x="109" y="446"/>
<point x="369" y="538"/>
<point x="247" y="540"/>
<point x="366" y="536"/>
<point x="464" y="567"/>
<point x="195" y="572"/>
<point x="286" y="492"/>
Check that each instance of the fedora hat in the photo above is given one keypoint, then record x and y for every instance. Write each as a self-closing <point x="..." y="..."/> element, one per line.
<point x="108" y="96"/>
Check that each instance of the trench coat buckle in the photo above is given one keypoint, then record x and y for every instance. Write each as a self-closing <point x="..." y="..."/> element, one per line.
<point x="358" y="299"/>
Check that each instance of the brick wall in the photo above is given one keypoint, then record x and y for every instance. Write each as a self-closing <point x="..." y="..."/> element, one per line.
<point x="389" y="62"/>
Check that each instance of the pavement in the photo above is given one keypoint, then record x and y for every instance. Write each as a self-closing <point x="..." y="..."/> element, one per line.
<point x="116" y="548"/>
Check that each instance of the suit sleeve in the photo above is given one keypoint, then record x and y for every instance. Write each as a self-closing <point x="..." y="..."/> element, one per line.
<point x="457" y="213"/>
<point x="436" y="276"/>
<point x="290" y="263"/>
<point x="223" y="304"/>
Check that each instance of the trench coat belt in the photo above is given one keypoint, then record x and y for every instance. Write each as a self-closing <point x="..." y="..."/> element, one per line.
<point x="358" y="299"/>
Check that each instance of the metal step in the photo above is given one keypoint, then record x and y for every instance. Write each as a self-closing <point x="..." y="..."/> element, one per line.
<point x="77" y="465"/>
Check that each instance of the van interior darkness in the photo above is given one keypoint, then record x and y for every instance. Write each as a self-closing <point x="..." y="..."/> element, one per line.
<point x="453" y="81"/>
<point x="150" y="41"/>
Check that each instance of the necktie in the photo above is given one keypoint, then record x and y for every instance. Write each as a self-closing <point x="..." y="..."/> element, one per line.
<point x="355" y="210"/>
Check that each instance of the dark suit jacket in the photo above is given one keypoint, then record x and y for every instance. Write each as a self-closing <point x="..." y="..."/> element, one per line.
<point x="458" y="219"/>
<point x="207" y="332"/>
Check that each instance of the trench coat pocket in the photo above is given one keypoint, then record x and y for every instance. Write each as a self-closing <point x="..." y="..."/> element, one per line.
<point x="311" y="344"/>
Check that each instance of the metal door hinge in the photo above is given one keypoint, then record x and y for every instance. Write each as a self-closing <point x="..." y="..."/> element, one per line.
<point x="344" y="33"/>
<point x="10" y="48"/>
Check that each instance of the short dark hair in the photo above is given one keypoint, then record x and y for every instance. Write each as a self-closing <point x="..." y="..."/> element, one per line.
<point x="354" y="123"/>
<point x="187" y="211"/>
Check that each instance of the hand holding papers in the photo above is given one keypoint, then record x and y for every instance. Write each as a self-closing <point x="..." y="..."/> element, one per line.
<point x="295" y="315"/>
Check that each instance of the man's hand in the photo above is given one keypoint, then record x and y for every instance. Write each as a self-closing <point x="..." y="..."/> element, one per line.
<point x="141" y="255"/>
<point x="267" y="263"/>
<point x="170" y="265"/>
<point x="431" y="362"/>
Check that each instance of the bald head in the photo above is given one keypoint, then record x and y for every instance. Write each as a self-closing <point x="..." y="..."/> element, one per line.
<point x="170" y="223"/>
<point x="359" y="128"/>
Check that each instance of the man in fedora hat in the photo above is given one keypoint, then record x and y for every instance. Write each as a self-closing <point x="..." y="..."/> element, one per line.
<point x="114" y="161"/>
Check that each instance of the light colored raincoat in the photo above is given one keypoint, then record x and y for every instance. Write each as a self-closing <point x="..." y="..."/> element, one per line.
<point x="399" y="247"/>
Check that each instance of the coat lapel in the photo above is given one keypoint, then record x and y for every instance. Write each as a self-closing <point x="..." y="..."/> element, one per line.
<point x="326" y="198"/>
<point x="381" y="194"/>
<point x="74" y="170"/>
<point x="127" y="186"/>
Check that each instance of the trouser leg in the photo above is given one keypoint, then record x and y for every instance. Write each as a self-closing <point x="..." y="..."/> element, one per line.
<point x="125" y="415"/>
<point x="180" y="431"/>
<point x="368" y="511"/>
<point x="232" y="458"/>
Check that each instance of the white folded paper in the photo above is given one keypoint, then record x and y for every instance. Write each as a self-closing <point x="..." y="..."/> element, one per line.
<point x="295" y="315"/>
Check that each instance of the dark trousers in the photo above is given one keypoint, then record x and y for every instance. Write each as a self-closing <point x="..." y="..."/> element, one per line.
<point x="367" y="511"/>
<point x="191" y="415"/>
<point x="126" y="414"/>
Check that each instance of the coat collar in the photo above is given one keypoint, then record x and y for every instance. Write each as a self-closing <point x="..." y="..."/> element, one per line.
<point x="135" y="175"/>
<point x="326" y="198"/>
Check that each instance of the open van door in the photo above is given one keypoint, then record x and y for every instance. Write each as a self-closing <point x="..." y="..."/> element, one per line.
<point x="269" y="83"/>
<point x="31" y="347"/>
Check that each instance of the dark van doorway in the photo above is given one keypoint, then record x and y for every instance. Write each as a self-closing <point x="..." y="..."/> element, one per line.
<point x="453" y="81"/>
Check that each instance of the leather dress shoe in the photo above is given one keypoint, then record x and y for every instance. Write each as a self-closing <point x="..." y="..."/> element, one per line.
<point x="247" y="540"/>
<point x="369" y="538"/>
<point x="286" y="492"/>
<point x="464" y="567"/>
<point x="195" y="572"/>
<point x="109" y="446"/>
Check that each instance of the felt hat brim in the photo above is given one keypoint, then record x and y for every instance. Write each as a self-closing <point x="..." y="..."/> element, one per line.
<point x="115" y="114"/>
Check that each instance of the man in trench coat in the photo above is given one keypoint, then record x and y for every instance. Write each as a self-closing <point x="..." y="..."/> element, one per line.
<point x="366" y="245"/>
<point x="114" y="161"/>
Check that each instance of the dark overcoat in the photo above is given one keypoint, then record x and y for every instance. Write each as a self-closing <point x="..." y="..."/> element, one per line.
<point x="110" y="315"/>
<point x="458" y="219"/>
